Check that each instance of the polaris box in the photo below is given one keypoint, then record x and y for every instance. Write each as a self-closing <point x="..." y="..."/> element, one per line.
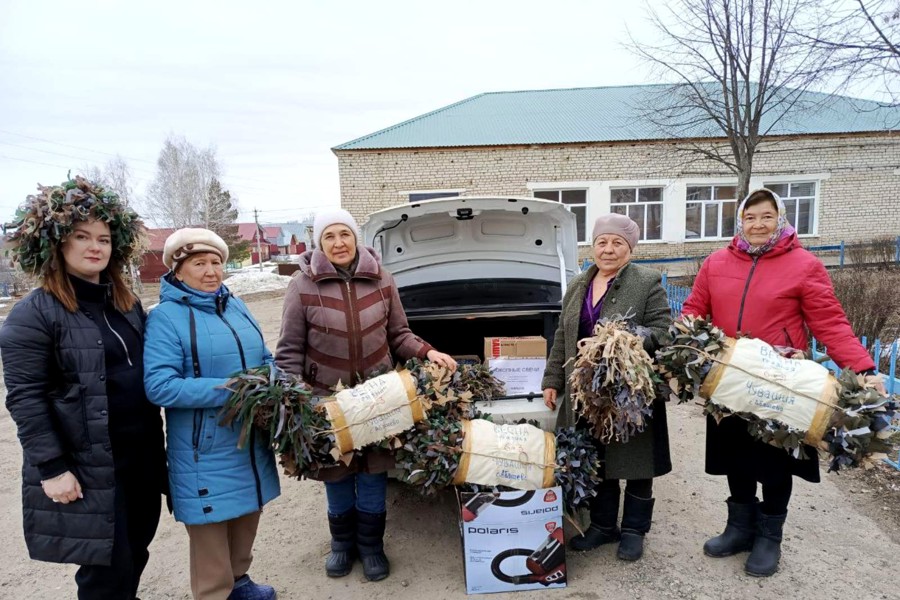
<point x="513" y="540"/>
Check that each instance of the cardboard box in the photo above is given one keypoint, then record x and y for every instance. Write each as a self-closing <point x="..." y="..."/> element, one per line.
<point x="521" y="376"/>
<point x="533" y="346"/>
<point x="512" y="540"/>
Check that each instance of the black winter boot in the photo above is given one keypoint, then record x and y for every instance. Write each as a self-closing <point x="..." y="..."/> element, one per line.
<point x="370" y="543"/>
<point x="637" y="513"/>
<point x="604" y="521"/>
<point x="740" y="531"/>
<point x="343" y="544"/>
<point x="763" y="560"/>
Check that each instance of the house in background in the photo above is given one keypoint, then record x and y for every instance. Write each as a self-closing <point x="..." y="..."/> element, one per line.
<point x="300" y="232"/>
<point x="253" y="233"/>
<point x="152" y="267"/>
<point x="592" y="149"/>
<point x="282" y="242"/>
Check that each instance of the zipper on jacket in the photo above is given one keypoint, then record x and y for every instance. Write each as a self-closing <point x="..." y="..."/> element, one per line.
<point x="119" y="337"/>
<point x="195" y="433"/>
<point x="353" y="332"/>
<point x="259" y="498"/>
<point x="744" y="295"/>
<point x="787" y="338"/>
<point x="195" y="363"/>
<point x="237" y="339"/>
<point x="220" y="311"/>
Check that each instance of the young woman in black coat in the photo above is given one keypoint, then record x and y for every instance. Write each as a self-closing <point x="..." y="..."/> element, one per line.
<point x="94" y="463"/>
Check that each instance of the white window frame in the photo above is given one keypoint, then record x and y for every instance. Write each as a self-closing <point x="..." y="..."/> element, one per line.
<point x="637" y="202"/>
<point x="689" y="183"/>
<point x="586" y="204"/>
<point x="814" y="179"/>
<point x="598" y="201"/>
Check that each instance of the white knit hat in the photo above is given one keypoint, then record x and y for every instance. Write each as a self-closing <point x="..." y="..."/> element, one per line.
<point x="192" y="240"/>
<point x="333" y="216"/>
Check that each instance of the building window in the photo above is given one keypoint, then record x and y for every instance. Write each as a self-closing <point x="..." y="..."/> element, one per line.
<point x="419" y="196"/>
<point x="710" y="212"/>
<point x="800" y="202"/>
<point x="643" y="205"/>
<point x="575" y="201"/>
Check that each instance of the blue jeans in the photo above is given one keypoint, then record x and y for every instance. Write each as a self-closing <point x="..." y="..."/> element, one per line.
<point x="365" y="491"/>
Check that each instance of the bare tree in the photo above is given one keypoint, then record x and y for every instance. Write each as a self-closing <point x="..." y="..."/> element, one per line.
<point x="864" y="36"/>
<point x="179" y="192"/>
<point x="114" y="175"/>
<point x="739" y="69"/>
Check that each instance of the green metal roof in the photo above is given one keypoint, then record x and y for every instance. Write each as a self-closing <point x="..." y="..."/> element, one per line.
<point x="603" y="114"/>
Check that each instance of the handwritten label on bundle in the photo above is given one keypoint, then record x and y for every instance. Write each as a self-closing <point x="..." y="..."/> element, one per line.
<point x="758" y="380"/>
<point x="374" y="410"/>
<point x="518" y="456"/>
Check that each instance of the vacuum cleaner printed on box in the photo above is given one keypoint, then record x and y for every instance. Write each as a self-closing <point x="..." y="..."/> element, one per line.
<point x="513" y="540"/>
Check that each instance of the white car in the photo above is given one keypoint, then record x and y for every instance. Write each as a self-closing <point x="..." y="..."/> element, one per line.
<point x="474" y="267"/>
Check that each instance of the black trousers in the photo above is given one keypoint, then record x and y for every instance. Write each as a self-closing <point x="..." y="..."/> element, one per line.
<point x="137" y="506"/>
<point x="641" y="488"/>
<point x="776" y="492"/>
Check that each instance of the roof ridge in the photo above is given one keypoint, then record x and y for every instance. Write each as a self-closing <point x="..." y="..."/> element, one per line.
<point x="408" y="121"/>
<point x="582" y="87"/>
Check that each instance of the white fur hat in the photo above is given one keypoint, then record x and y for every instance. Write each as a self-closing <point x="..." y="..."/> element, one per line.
<point x="332" y="216"/>
<point x="192" y="240"/>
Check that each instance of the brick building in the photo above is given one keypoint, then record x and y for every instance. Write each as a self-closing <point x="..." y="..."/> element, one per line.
<point x="837" y="165"/>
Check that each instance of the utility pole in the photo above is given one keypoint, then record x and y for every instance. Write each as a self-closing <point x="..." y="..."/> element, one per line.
<point x="258" y="245"/>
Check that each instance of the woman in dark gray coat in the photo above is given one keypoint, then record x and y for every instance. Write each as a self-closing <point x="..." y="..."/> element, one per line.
<point x="613" y="287"/>
<point x="94" y="464"/>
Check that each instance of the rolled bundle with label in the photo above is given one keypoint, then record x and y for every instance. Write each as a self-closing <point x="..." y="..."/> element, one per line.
<point x="787" y="401"/>
<point x="311" y="432"/>
<point x="517" y="456"/>
<point x="374" y="410"/>
<point x="751" y="377"/>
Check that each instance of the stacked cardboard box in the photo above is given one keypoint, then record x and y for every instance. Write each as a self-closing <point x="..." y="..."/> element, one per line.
<point x="518" y="362"/>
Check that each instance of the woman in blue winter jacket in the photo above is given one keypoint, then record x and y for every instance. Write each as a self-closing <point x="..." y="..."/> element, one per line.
<point x="196" y="338"/>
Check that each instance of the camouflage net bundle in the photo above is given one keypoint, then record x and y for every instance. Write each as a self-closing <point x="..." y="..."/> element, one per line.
<point x="858" y="430"/>
<point x="430" y="456"/>
<point x="293" y="420"/>
<point x="612" y="381"/>
<point x="285" y="411"/>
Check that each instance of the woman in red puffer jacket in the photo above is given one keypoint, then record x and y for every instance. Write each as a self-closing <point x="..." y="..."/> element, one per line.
<point x="765" y="285"/>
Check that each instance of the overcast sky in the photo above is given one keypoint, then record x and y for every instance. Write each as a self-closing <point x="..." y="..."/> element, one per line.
<point x="273" y="85"/>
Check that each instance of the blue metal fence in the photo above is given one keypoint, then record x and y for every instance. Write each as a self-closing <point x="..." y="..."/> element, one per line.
<point x="677" y="295"/>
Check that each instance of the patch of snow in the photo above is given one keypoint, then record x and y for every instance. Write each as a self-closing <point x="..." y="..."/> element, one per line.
<point x="249" y="282"/>
<point x="3" y="305"/>
<point x="267" y="267"/>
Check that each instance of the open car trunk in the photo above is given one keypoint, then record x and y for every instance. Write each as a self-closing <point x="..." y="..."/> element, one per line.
<point x="469" y="268"/>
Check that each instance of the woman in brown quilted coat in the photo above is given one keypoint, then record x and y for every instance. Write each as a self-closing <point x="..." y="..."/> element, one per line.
<point x="343" y="322"/>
